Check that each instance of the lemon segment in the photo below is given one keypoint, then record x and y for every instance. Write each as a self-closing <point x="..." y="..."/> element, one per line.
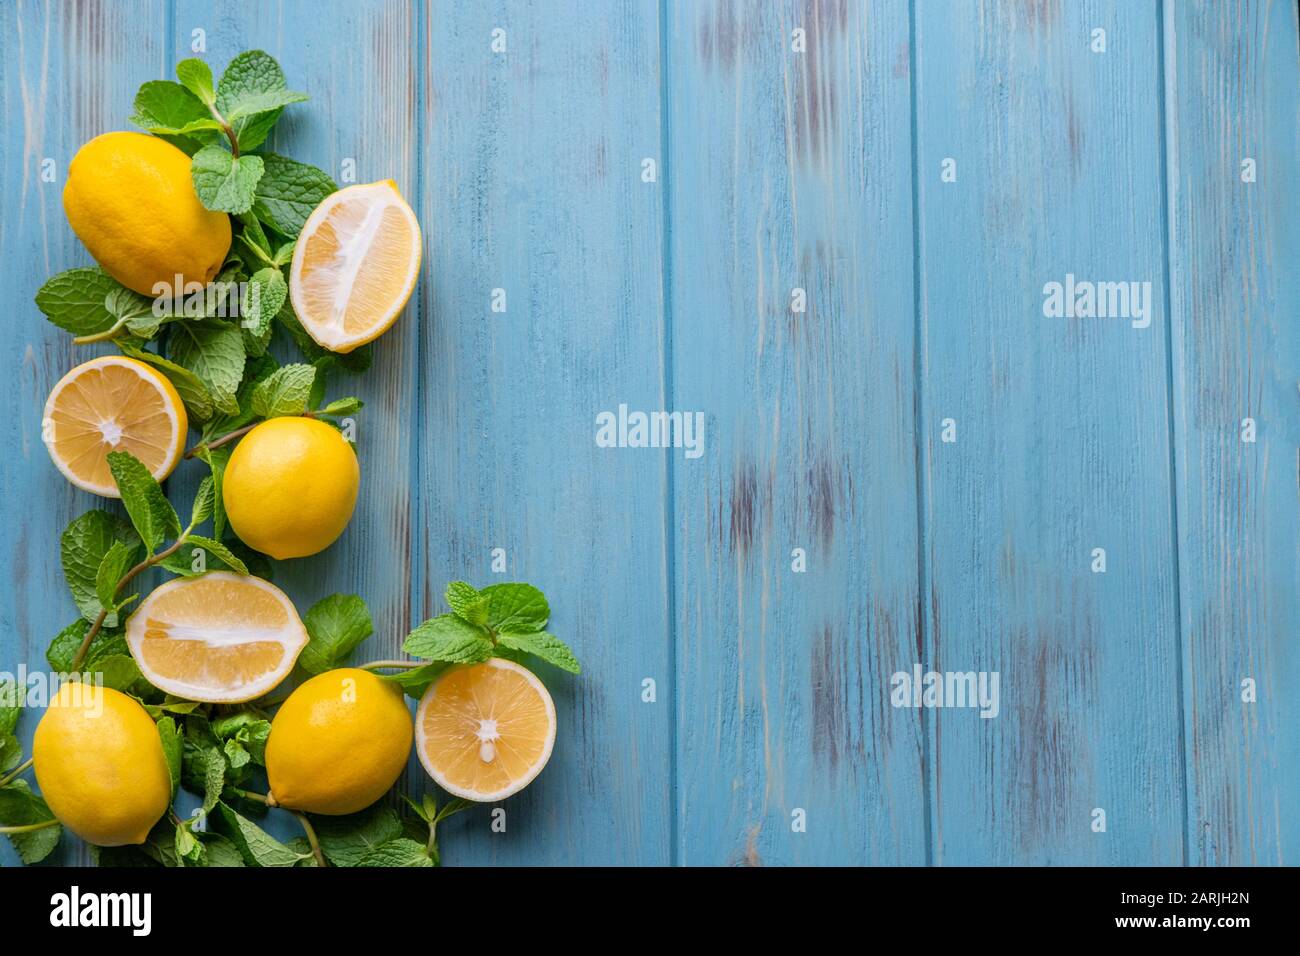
<point x="355" y="265"/>
<point x="222" y="638"/>
<point x="113" y="403"/>
<point x="99" y="764"/>
<point x="485" y="731"/>
<point x="338" y="743"/>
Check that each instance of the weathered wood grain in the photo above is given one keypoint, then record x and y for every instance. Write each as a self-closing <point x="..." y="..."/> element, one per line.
<point x="531" y="164"/>
<point x="1062" y="435"/>
<point x="791" y="170"/>
<point x="776" y="170"/>
<point x="1231" y="93"/>
<point x="70" y="73"/>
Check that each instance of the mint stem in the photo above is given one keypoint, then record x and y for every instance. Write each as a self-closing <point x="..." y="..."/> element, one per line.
<point x="104" y="336"/>
<point x="80" y="657"/>
<point x="390" y="665"/>
<point x="311" y="838"/>
<point x="16" y="772"/>
<point x="29" y="828"/>
<point x="231" y="436"/>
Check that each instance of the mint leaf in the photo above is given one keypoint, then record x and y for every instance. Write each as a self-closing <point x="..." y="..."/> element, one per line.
<point x="336" y="625"/>
<point x="416" y="680"/>
<point x="400" y="852"/>
<point x="284" y="392"/>
<point x="213" y="351"/>
<point x="216" y="458"/>
<point x="19" y="807"/>
<point x="168" y="108"/>
<point x="520" y="608"/>
<point x="196" y="396"/>
<point x="199" y="555"/>
<point x="116" y="671"/>
<point x="288" y="192"/>
<point x="117" y="560"/>
<point x="75" y="300"/>
<point x="343" y="406"/>
<point x="196" y="76"/>
<point x="214" y="778"/>
<point x="346" y="840"/>
<point x="224" y="182"/>
<point x="82" y="547"/>
<point x="448" y="638"/>
<point x="172" y="746"/>
<point x="468" y="603"/>
<point x="542" y="644"/>
<point x="251" y="94"/>
<point x="263" y="297"/>
<point x="257" y="369"/>
<point x="151" y="513"/>
<point x="255" y="845"/>
<point x="107" y="643"/>
<point x="219" y="550"/>
<point x="10" y="706"/>
<point x="204" y="501"/>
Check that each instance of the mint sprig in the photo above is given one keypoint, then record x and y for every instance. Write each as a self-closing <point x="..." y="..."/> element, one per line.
<point x="495" y="621"/>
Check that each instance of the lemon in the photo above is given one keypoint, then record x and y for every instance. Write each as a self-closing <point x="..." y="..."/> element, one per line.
<point x="355" y="265"/>
<point x="100" y="765"/>
<point x="485" y="731"/>
<point x="338" y="743"/>
<point x="130" y="199"/>
<point x="113" y="403"/>
<point x="290" y="487"/>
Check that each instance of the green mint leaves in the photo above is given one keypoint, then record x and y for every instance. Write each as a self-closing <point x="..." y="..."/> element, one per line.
<point x="225" y="182"/>
<point x="288" y="192"/>
<point x="153" y="516"/>
<point x="335" y="625"/>
<point x="251" y="94"/>
<point x="502" y="620"/>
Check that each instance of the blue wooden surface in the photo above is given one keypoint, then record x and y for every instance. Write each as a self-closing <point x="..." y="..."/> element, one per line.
<point x="779" y="170"/>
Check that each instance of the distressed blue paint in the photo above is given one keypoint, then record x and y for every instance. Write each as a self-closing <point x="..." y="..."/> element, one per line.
<point x="1062" y="435"/>
<point x="783" y="168"/>
<point x="1232" y="80"/>
<point x="776" y="170"/>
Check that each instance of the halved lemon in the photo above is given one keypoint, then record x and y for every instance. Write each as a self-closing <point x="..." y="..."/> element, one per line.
<point x="355" y="265"/>
<point x="113" y="403"/>
<point x="484" y="731"/>
<point x="221" y="638"/>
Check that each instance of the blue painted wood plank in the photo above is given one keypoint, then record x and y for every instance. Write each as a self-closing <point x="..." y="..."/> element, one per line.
<point x="531" y="165"/>
<point x="790" y="169"/>
<point x="70" y="73"/>
<point x="1231" y="95"/>
<point x="1062" y="435"/>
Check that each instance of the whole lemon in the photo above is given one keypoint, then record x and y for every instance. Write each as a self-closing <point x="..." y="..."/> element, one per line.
<point x="130" y="199"/>
<point x="290" y="487"/>
<point x="338" y="742"/>
<point x="100" y="765"/>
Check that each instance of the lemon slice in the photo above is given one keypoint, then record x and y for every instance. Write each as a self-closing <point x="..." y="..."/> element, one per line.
<point x="221" y="638"/>
<point x="484" y="731"/>
<point x="355" y="265"/>
<point x="113" y="403"/>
